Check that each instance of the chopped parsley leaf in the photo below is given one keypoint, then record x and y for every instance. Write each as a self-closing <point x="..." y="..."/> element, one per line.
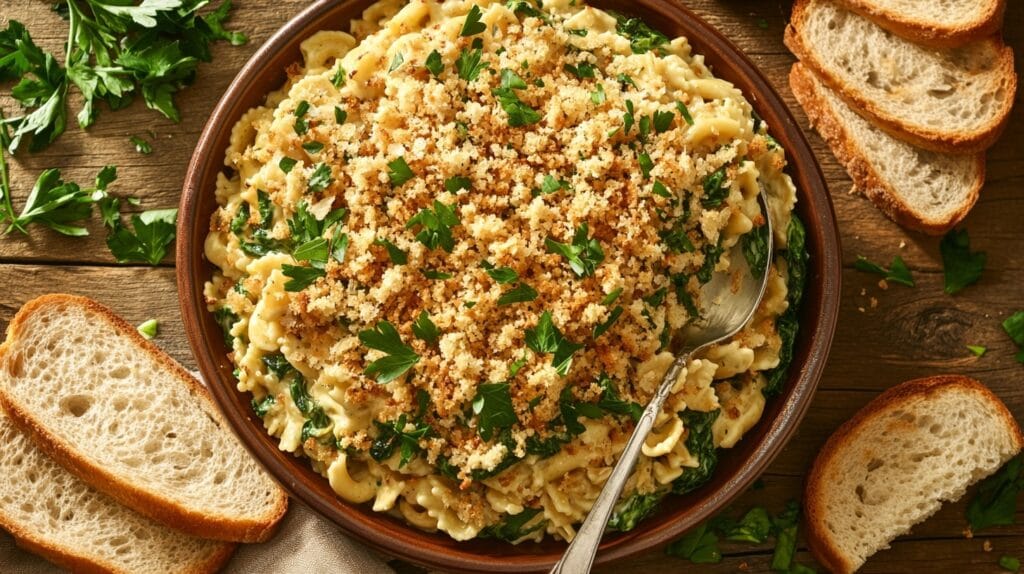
<point x="301" y="125"/>
<point x="149" y="329"/>
<point x="142" y="146"/>
<point x="611" y="297"/>
<point x="646" y="164"/>
<point x="435" y="275"/>
<point x="314" y="251"/>
<point x="584" y="254"/>
<point x="716" y="188"/>
<point x="625" y="80"/>
<point x="642" y="38"/>
<point x="581" y="32"/>
<point x="546" y="338"/>
<point x="978" y="350"/>
<point x="521" y="293"/>
<point x="454" y="184"/>
<point x="399" y="357"/>
<point x="396" y="62"/>
<point x="519" y="113"/>
<point x="468" y="63"/>
<point x="685" y="112"/>
<point x="473" y="26"/>
<point x="510" y="79"/>
<point x="493" y="407"/>
<point x="1014" y="327"/>
<point x="399" y="171"/>
<point x="320" y="179"/>
<point x="663" y="121"/>
<point x="339" y="246"/>
<point x="425" y="329"/>
<point x="338" y="79"/>
<point x="397" y="256"/>
<point x="287" y="164"/>
<point x="628" y="119"/>
<point x="602" y="328"/>
<point x="340" y="115"/>
<point x="313" y="147"/>
<point x="434" y="63"/>
<point x="550" y="184"/>
<point x="583" y="71"/>
<point x="598" y="96"/>
<point x="961" y="267"/>
<point x="502" y="275"/>
<point x="897" y="272"/>
<point x="300" y="277"/>
<point x="435" y="226"/>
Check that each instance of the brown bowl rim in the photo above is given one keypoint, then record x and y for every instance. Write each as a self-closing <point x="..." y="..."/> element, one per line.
<point x="818" y="315"/>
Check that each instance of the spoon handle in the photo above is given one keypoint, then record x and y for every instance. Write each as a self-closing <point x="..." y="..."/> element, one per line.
<point x="579" y="557"/>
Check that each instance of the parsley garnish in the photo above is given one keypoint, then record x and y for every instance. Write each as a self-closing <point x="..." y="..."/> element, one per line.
<point x="435" y="226"/>
<point x="468" y="63"/>
<point x="320" y="179"/>
<point x="897" y="272"/>
<point x="425" y="329"/>
<point x="519" y="114"/>
<point x="397" y="256"/>
<point x="685" y="112"/>
<point x="456" y="183"/>
<point x="434" y="274"/>
<point x="313" y="147"/>
<point x="399" y="172"/>
<point x="399" y="357"/>
<point x="300" y="277"/>
<point x="396" y="62"/>
<point x="584" y="254"/>
<point x="642" y="38"/>
<point x="611" y="297"/>
<point x="315" y="251"/>
<point x="434" y="63"/>
<point x="149" y="329"/>
<point x="598" y="96"/>
<point x="716" y="188"/>
<point x="502" y="275"/>
<point x="473" y="25"/>
<point x="961" y="267"/>
<point x="301" y="124"/>
<point x="978" y="350"/>
<point x="57" y="204"/>
<point x="152" y="232"/>
<point x="663" y="121"/>
<point x="629" y="118"/>
<point x="521" y="293"/>
<point x="142" y="146"/>
<point x="602" y="328"/>
<point x="340" y="115"/>
<point x="338" y="79"/>
<point x="581" y="32"/>
<point x="646" y="164"/>
<point x="1014" y="327"/>
<point x="393" y="434"/>
<point x="510" y="79"/>
<point x="287" y="164"/>
<point x="493" y="407"/>
<point x="583" y="71"/>
<point x="546" y="338"/>
<point x="551" y="184"/>
<point x="625" y="80"/>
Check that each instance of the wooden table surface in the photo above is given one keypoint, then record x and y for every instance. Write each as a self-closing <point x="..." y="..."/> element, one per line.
<point x="884" y="336"/>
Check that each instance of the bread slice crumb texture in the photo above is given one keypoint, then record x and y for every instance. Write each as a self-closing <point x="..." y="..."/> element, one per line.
<point x="66" y="521"/>
<point x="892" y="466"/>
<point x="923" y="190"/>
<point x="954" y="100"/>
<point x="124" y="417"/>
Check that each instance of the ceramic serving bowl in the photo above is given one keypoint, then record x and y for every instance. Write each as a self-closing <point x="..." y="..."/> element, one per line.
<point x="737" y="468"/>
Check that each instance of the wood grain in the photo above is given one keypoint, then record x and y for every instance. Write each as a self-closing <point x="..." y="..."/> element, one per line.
<point x="885" y="335"/>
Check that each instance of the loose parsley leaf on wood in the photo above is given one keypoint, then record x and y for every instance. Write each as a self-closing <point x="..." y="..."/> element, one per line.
<point x="546" y="338"/>
<point x="399" y="357"/>
<point x="1014" y="327"/>
<point x="493" y="407"/>
<point x="54" y="203"/>
<point x="996" y="500"/>
<point x="961" y="267"/>
<point x="897" y="272"/>
<point x="152" y="232"/>
<point x="584" y="254"/>
<point x="699" y="546"/>
<point x="142" y="146"/>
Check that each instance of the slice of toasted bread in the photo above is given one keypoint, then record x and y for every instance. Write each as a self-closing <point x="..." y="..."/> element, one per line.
<point x="113" y="409"/>
<point x="61" y="518"/>
<point x="936" y="24"/>
<point x="954" y="101"/>
<point x="919" y="189"/>
<point x="893" y="464"/>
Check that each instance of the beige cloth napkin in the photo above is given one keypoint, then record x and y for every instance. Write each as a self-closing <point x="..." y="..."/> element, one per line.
<point x="305" y="544"/>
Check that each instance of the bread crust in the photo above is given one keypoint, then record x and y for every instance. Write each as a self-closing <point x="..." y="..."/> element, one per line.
<point x="958" y="142"/>
<point x="928" y="33"/>
<point x="847" y="151"/>
<point x="150" y="504"/>
<point x="819" y="541"/>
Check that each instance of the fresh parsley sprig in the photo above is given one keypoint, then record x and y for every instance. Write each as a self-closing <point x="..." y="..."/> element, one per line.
<point x="147" y="242"/>
<point x="546" y="338"/>
<point x="398" y="358"/>
<point x="435" y="226"/>
<point x="584" y="254"/>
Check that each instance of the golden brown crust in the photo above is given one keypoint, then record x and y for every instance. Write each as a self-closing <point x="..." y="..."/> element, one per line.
<point x="818" y="538"/>
<point x="121" y="488"/>
<point x="964" y="142"/>
<point x="926" y="33"/>
<point x="875" y="187"/>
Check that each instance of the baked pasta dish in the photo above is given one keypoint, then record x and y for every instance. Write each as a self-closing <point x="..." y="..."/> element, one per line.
<point x="453" y="248"/>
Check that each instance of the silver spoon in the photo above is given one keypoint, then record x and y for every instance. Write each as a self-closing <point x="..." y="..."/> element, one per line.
<point x="728" y="305"/>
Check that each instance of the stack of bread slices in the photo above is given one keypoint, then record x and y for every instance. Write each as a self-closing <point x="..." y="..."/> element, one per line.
<point x="114" y="459"/>
<point x="909" y="94"/>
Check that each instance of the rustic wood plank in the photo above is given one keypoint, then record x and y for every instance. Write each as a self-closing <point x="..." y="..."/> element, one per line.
<point x="905" y="333"/>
